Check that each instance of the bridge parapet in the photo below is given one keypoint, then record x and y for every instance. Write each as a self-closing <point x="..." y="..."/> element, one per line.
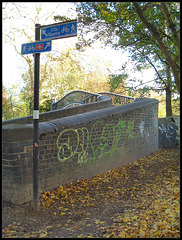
<point x="118" y="99"/>
<point x="75" y="147"/>
<point x="68" y="106"/>
<point x="77" y="98"/>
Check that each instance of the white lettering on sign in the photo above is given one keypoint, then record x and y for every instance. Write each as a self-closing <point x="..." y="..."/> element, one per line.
<point x="54" y="34"/>
<point x="59" y="31"/>
<point x="54" y="29"/>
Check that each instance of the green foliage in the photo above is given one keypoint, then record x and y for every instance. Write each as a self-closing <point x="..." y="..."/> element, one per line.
<point x="58" y="75"/>
<point x="131" y="26"/>
<point x="6" y="105"/>
<point x="120" y="25"/>
<point x="116" y="81"/>
<point x="11" y="106"/>
<point x="45" y="106"/>
<point x="176" y="106"/>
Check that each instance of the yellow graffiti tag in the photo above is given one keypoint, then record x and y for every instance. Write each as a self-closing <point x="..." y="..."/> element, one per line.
<point x="79" y="144"/>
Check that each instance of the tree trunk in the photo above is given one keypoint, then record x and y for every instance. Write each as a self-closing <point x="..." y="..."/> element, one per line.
<point x="168" y="93"/>
<point x="168" y="102"/>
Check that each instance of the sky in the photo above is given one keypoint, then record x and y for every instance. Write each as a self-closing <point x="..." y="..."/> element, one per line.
<point x="14" y="65"/>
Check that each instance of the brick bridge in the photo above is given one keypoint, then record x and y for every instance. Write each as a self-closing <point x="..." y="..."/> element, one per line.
<point x="83" y="134"/>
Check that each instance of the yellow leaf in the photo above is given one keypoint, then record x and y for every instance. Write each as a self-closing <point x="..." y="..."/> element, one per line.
<point x="126" y="219"/>
<point x="59" y="225"/>
<point x="141" y="233"/>
<point x="135" y="217"/>
<point x="157" y="233"/>
<point x="54" y="213"/>
<point x="143" y="222"/>
<point x="63" y="213"/>
<point x="122" y="234"/>
<point x="66" y="209"/>
<point x="44" y="234"/>
<point x="49" y="227"/>
<point x="80" y="236"/>
<point x="113" y="234"/>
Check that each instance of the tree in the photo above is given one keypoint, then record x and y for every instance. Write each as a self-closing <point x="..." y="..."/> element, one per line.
<point x="11" y="107"/>
<point x="12" y="33"/>
<point x="6" y="105"/>
<point x="158" y="34"/>
<point x="126" y="24"/>
<point x="130" y="26"/>
<point x="60" y="72"/>
<point x="117" y="82"/>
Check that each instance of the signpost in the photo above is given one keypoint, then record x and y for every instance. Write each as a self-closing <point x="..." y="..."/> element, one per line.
<point x="36" y="122"/>
<point x="54" y="31"/>
<point x="61" y="30"/>
<point x="36" y="47"/>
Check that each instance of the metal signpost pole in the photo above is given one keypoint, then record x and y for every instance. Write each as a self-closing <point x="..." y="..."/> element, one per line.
<point x="53" y="31"/>
<point x="36" y="123"/>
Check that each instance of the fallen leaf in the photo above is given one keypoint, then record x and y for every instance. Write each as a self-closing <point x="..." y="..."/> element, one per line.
<point x="59" y="225"/>
<point x="122" y="234"/>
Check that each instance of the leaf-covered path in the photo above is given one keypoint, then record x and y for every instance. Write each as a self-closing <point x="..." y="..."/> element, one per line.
<point x="137" y="200"/>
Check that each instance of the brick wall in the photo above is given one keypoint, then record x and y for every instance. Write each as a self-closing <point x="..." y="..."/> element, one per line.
<point x="167" y="132"/>
<point x="176" y="120"/>
<point x="77" y="147"/>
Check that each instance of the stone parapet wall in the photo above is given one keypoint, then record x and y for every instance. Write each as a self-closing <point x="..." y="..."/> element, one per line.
<point x="76" y="147"/>
<point x="104" y="102"/>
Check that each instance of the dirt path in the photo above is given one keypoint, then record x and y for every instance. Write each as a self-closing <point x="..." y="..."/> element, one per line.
<point x="138" y="200"/>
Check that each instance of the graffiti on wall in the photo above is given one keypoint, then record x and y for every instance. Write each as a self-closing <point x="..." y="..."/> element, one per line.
<point x="110" y="139"/>
<point x="73" y="142"/>
<point x="143" y="131"/>
<point x="150" y="120"/>
<point x="168" y="130"/>
<point x="103" y="139"/>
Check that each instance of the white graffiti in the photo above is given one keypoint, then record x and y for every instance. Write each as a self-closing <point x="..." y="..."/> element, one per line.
<point x="168" y="130"/>
<point x="143" y="132"/>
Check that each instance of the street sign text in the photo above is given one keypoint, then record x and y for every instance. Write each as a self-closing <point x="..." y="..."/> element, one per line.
<point x="61" y="30"/>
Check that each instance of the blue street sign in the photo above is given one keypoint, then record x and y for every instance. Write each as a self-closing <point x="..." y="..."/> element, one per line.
<point x="61" y="30"/>
<point x="36" y="47"/>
